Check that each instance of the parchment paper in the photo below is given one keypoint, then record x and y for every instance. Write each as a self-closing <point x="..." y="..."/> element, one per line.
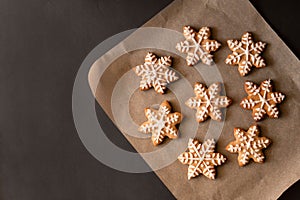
<point x="229" y="19"/>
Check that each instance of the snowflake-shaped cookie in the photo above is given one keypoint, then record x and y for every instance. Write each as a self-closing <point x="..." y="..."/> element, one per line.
<point x="246" y="53"/>
<point x="161" y="123"/>
<point x="208" y="102"/>
<point x="155" y="73"/>
<point x="261" y="100"/>
<point x="197" y="46"/>
<point x="248" y="145"/>
<point x="201" y="158"/>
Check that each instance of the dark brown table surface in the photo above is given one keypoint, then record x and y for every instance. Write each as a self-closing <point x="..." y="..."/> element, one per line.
<point x="42" y="45"/>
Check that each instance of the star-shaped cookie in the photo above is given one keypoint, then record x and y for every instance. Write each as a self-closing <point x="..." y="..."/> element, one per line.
<point x="245" y="54"/>
<point x="261" y="100"/>
<point x="248" y="145"/>
<point x="155" y="72"/>
<point x="208" y="102"/>
<point x="161" y="123"/>
<point x="201" y="158"/>
<point x="198" y="46"/>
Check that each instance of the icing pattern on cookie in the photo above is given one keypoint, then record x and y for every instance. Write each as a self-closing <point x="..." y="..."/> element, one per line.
<point x="161" y="123"/>
<point x="245" y="54"/>
<point x="261" y="100"/>
<point x="197" y="45"/>
<point x="208" y="102"/>
<point x="155" y="73"/>
<point x="248" y="145"/>
<point x="201" y="158"/>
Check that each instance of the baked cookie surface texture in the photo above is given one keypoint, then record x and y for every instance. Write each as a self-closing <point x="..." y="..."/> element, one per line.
<point x="245" y="54"/>
<point x="248" y="145"/>
<point x="208" y="102"/>
<point x="161" y="123"/>
<point x="261" y="100"/>
<point x="198" y="46"/>
<point x="201" y="158"/>
<point x="156" y="73"/>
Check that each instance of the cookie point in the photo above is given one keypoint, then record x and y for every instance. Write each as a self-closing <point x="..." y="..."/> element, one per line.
<point x="154" y="143"/>
<point x="241" y="164"/>
<point x="189" y="64"/>
<point x="254" y="125"/>
<point x="165" y="101"/>
<point x="267" y="140"/>
<point x="229" y="41"/>
<point x="187" y="102"/>
<point x="191" y="140"/>
<point x="237" y="129"/>
<point x="247" y="34"/>
<point x="180" y="158"/>
<point x="247" y="83"/>
<point x="269" y="80"/>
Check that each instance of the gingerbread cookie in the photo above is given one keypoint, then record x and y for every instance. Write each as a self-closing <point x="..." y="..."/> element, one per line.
<point x="197" y="45"/>
<point x="245" y="54"/>
<point x="248" y="145"/>
<point x="208" y="102"/>
<point x="155" y="73"/>
<point x="161" y="123"/>
<point x="261" y="100"/>
<point x="201" y="158"/>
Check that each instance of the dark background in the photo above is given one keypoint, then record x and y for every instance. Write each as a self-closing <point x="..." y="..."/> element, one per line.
<point x="42" y="44"/>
